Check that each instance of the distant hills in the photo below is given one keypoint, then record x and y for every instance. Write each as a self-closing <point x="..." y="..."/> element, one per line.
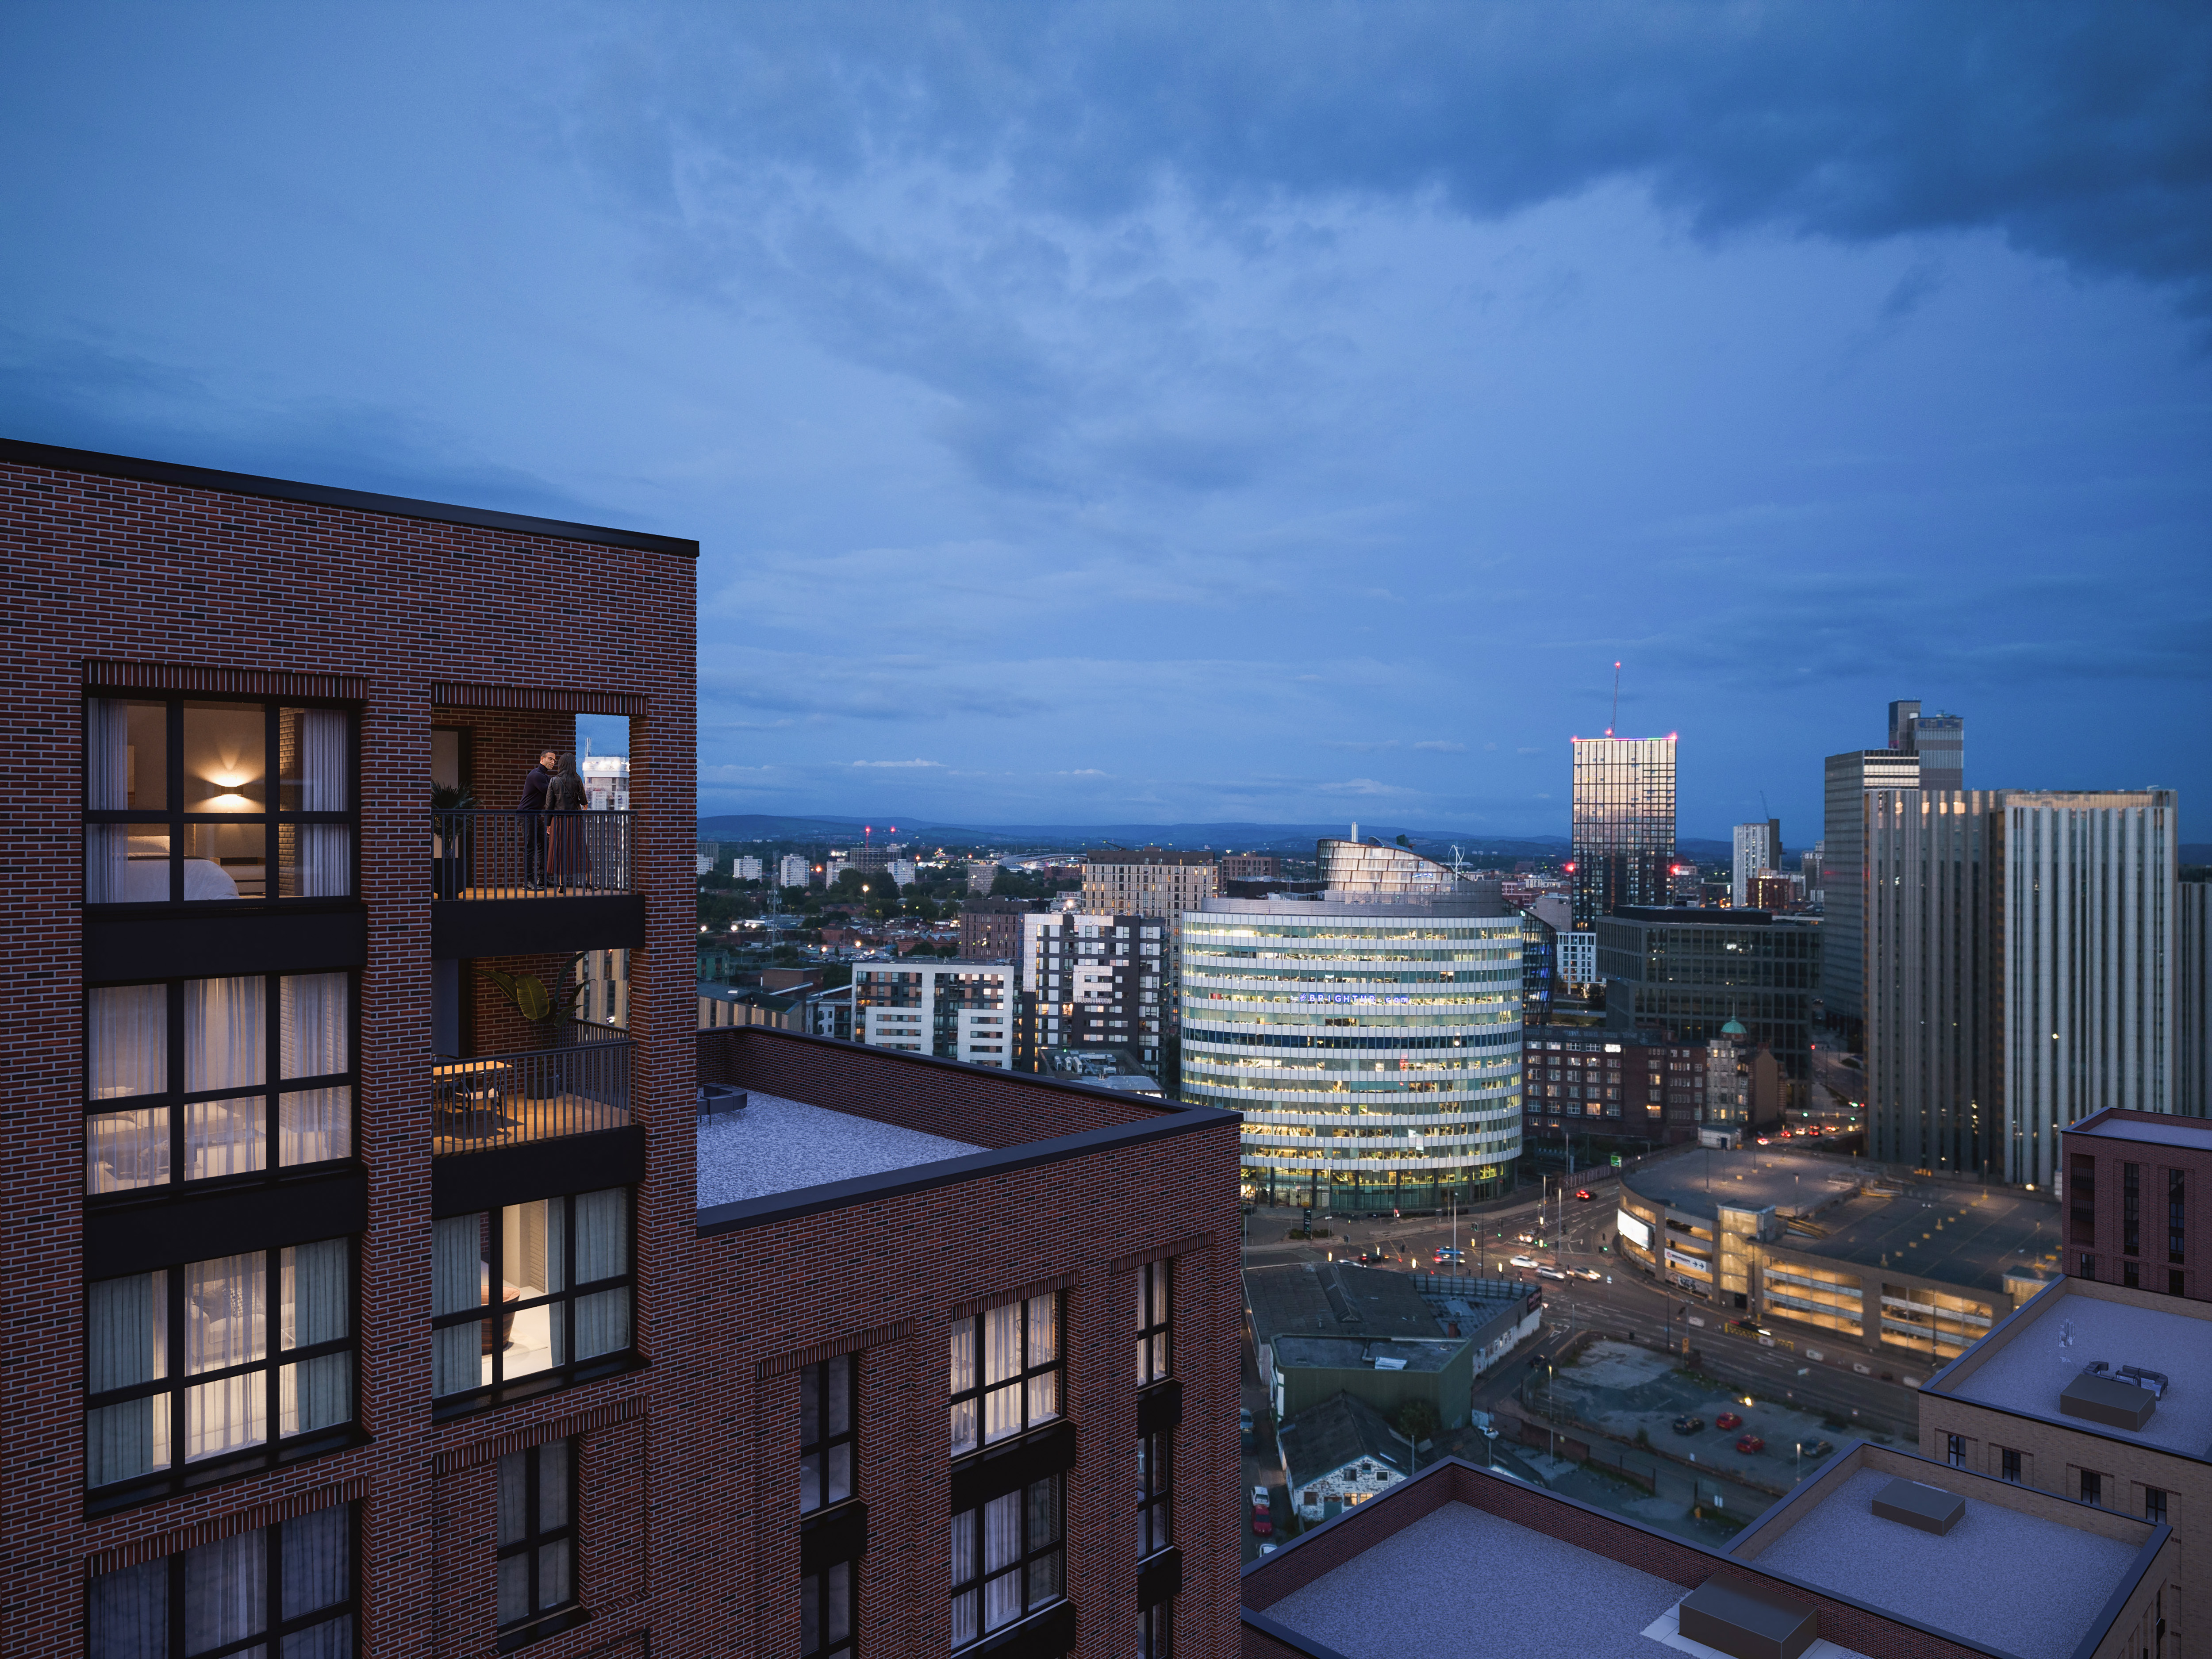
<point x="1297" y="839"/>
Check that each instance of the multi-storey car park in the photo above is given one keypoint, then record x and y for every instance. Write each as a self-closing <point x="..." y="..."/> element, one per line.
<point x="1373" y="1048"/>
<point x="356" y="1306"/>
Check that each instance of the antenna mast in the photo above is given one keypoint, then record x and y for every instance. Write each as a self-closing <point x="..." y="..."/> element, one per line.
<point x="1616" y="700"/>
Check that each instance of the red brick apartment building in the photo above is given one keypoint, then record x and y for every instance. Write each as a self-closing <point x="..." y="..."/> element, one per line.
<point x="351" y="1308"/>
<point x="2138" y="1199"/>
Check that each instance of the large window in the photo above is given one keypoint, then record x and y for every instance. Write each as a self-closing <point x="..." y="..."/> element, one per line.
<point x="827" y="1611"/>
<point x="188" y="1377"/>
<point x="1015" y="1386"/>
<point x="203" y="1080"/>
<point x="286" y="1589"/>
<point x="825" y="1433"/>
<point x="1009" y="1559"/>
<point x="188" y="800"/>
<point x="536" y="1542"/>
<point x="1154" y="1358"/>
<point x="532" y="1295"/>
<point x="1153" y="1505"/>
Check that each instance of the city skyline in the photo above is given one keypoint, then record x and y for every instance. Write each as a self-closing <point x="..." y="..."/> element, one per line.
<point x="1338" y="431"/>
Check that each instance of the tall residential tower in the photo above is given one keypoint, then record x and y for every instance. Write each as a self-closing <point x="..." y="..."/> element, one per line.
<point x="1624" y="824"/>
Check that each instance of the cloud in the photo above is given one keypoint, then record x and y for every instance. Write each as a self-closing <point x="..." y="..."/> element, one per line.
<point x="901" y="764"/>
<point x="1445" y="746"/>
<point x="1363" y="786"/>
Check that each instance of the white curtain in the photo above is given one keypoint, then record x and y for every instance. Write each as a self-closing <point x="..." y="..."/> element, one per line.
<point x="325" y="850"/>
<point x="314" y="1126"/>
<point x="225" y="1033"/>
<point x="130" y="1613"/>
<point x="128" y="1037"/>
<point x="126" y="1340"/>
<point x="315" y="1305"/>
<point x="965" y="1628"/>
<point x="225" y="1137"/>
<point x="318" y="1563"/>
<point x="126" y="1150"/>
<point x="1002" y="1550"/>
<point x="313" y="1029"/>
<point x="602" y="1322"/>
<point x="962" y="1376"/>
<point x="1002" y="1358"/>
<point x="224" y="1325"/>
<point x="226" y="1590"/>
<point x="602" y="1235"/>
<point x="457" y="1283"/>
<point x="107" y="786"/>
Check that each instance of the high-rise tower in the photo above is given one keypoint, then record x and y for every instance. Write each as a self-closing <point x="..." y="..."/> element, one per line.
<point x="1624" y="824"/>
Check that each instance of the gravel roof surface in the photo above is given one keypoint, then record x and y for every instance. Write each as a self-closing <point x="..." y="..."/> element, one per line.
<point x="1998" y="1578"/>
<point x="778" y="1145"/>
<point x="2033" y="1366"/>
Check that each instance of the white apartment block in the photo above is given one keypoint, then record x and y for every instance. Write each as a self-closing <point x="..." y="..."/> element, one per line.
<point x="1758" y="851"/>
<point x="1577" y="958"/>
<point x="747" y="870"/>
<point x="792" y="872"/>
<point x="955" y="1010"/>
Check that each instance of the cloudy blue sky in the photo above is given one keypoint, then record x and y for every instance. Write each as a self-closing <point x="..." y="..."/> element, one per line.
<point x="1156" y="412"/>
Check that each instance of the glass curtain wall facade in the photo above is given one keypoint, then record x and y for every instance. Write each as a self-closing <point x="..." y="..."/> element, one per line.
<point x="1374" y="1049"/>
<point x="1624" y="824"/>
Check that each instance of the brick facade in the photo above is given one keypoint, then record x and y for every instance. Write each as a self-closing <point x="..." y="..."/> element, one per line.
<point x="2097" y="1235"/>
<point x="421" y="616"/>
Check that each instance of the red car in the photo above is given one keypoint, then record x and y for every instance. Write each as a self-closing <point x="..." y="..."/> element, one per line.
<point x="1729" y="1421"/>
<point x="1262" y="1523"/>
<point x="1584" y="1193"/>
<point x="1750" y="1442"/>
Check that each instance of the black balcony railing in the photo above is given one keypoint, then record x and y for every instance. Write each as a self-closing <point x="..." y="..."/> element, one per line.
<point x="481" y="1102"/>
<point x="494" y="855"/>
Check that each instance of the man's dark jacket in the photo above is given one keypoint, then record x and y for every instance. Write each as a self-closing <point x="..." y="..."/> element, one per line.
<point x="533" y="790"/>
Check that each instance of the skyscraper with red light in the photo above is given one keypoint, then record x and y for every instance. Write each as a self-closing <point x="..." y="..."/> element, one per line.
<point x="1624" y="824"/>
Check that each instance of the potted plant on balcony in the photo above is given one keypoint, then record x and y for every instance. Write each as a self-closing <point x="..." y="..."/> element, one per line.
<point x="533" y="999"/>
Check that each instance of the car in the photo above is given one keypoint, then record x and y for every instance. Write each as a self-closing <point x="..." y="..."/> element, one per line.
<point x="1816" y="1449"/>
<point x="1584" y="1194"/>
<point x="1549" y="1272"/>
<point x="1688" y="1424"/>
<point x="1586" y="1273"/>
<point x="1524" y="1238"/>
<point x="1260" y="1498"/>
<point x="1262" y="1524"/>
<point x="1524" y="1260"/>
<point x="1269" y="1549"/>
<point x="1447" y="1253"/>
<point x="1729" y="1421"/>
<point x="1749" y="1443"/>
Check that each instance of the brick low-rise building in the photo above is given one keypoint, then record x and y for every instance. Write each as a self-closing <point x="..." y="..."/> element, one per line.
<point x="2137" y="1195"/>
<point x="360" y="1302"/>
<point x="1606" y="1085"/>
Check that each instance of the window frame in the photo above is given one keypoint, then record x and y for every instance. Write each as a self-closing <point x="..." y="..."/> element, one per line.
<point x="2008" y="1465"/>
<point x="1033" y="1553"/>
<point x="570" y="1373"/>
<point x="176" y="821"/>
<point x="274" y="1627"/>
<point x="1155" y="1322"/>
<point x="2154" y="1505"/>
<point x="827" y="1443"/>
<point x="976" y="1396"/>
<point x="1156" y="1631"/>
<point x="541" y="1622"/>
<point x="817" y="1593"/>
<point x="1155" y="1494"/>
<point x="275" y="1450"/>
<point x="174" y="1098"/>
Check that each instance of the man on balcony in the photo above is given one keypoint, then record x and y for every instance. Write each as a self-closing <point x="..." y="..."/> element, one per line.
<point x="535" y="783"/>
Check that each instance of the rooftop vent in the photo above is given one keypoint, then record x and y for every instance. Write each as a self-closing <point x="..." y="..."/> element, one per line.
<point x="2156" y="1381"/>
<point x="717" y="1098"/>
<point x="1748" y="1620"/>
<point x="2102" y="1399"/>
<point x="1930" y="1508"/>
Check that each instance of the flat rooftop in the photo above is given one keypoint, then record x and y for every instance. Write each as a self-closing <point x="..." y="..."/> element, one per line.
<point x="1461" y="1580"/>
<point x="1999" y="1577"/>
<point x="1349" y="1353"/>
<point x="1700" y="1181"/>
<point x="1962" y="1236"/>
<point x="777" y="1146"/>
<point x="1334" y="1298"/>
<point x="2193" y="1131"/>
<point x="2030" y="1362"/>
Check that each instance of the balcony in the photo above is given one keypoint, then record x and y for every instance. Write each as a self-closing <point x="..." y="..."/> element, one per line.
<point x="525" y="855"/>
<point x="485" y="1102"/>
<point x="512" y="883"/>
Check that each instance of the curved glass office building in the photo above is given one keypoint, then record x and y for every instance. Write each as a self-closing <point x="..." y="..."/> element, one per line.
<point x="1372" y="1042"/>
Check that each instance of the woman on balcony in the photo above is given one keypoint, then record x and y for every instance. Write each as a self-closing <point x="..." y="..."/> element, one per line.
<point x="567" y="860"/>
